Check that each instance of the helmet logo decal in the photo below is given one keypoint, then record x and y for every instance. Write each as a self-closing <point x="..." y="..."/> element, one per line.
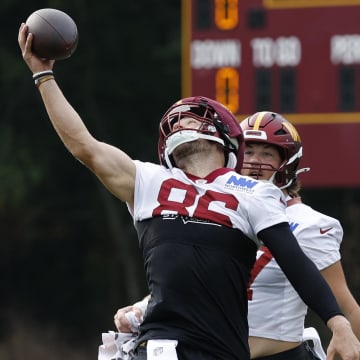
<point x="293" y="132"/>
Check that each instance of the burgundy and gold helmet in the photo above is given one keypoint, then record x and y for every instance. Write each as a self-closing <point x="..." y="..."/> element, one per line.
<point x="272" y="128"/>
<point x="218" y="124"/>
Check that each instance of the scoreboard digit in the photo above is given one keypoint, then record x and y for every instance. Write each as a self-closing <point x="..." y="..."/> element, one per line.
<point x="300" y="58"/>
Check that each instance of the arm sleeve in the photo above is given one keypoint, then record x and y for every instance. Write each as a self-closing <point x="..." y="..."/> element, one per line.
<point x="300" y="270"/>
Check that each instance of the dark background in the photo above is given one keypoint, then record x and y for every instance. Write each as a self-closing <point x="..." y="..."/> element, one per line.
<point x="68" y="252"/>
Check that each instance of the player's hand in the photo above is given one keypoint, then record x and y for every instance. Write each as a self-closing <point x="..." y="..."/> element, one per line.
<point x="35" y="63"/>
<point x="343" y="342"/>
<point x="121" y="320"/>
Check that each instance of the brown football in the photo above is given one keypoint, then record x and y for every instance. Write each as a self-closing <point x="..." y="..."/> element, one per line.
<point x="55" y="34"/>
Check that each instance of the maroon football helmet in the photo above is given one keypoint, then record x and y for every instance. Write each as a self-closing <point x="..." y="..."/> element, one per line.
<point x="272" y="128"/>
<point x="218" y="124"/>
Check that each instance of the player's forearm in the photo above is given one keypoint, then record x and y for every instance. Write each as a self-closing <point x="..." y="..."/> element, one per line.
<point x="65" y="119"/>
<point x="354" y="318"/>
<point x="338" y="323"/>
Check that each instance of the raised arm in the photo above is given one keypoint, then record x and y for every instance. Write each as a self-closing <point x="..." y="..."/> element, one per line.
<point x="114" y="168"/>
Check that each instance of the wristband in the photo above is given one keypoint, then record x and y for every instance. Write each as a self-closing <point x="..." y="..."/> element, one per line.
<point x="40" y="74"/>
<point x="43" y="79"/>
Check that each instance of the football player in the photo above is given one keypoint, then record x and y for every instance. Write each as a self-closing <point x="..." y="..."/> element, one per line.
<point x="273" y="151"/>
<point x="199" y="225"/>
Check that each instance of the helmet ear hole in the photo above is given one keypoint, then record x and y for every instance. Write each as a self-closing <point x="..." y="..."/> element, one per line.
<point x="280" y="132"/>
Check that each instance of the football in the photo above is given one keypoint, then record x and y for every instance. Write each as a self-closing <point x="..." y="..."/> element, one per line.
<point x="55" y="34"/>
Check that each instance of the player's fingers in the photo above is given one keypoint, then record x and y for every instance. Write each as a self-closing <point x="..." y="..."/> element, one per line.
<point x="25" y="41"/>
<point x="122" y="324"/>
<point x="119" y="315"/>
<point x="28" y="43"/>
<point x="22" y="36"/>
<point x="120" y="311"/>
<point x="120" y="320"/>
<point x="117" y="323"/>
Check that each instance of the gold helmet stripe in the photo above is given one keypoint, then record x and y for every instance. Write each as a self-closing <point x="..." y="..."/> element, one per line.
<point x="293" y="132"/>
<point x="258" y="120"/>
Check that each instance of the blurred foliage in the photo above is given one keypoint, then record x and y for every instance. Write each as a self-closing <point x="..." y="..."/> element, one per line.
<point x="69" y="255"/>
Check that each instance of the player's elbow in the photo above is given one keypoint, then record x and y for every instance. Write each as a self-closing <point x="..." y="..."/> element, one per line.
<point x="85" y="152"/>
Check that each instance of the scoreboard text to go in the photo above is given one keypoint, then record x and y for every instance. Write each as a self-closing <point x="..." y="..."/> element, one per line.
<point x="225" y="56"/>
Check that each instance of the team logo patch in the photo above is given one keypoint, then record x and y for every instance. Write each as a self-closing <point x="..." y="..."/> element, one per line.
<point x="293" y="226"/>
<point x="240" y="183"/>
<point x="324" y="230"/>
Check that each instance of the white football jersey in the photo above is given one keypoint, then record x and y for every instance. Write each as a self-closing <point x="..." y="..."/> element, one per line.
<point x="275" y="309"/>
<point x="224" y="197"/>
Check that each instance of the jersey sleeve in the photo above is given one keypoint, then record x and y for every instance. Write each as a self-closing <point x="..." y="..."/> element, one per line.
<point x="301" y="271"/>
<point x="148" y="179"/>
<point x="319" y="235"/>
<point x="266" y="207"/>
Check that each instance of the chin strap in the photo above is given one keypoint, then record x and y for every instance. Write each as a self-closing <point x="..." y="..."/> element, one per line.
<point x="302" y="171"/>
<point x="294" y="178"/>
<point x="231" y="161"/>
<point x="184" y="136"/>
<point x="231" y="143"/>
<point x="167" y="159"/>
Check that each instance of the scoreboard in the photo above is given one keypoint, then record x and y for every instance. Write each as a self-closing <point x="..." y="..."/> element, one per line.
<point x="300" y="58"/>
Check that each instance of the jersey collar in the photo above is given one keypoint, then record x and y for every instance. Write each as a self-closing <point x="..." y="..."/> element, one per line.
<point x="292" y="201"/>
<point x="210" y="177"/>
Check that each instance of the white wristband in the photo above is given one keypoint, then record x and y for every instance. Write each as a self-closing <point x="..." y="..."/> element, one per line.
<point x="142" y="305"/>
<point x="42" y="73"/>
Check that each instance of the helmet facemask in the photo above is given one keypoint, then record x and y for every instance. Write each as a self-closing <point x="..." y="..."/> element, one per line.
<point x="257" y="168"/>
<point x="273" y="129"/>
<point x="211" y="128"/>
